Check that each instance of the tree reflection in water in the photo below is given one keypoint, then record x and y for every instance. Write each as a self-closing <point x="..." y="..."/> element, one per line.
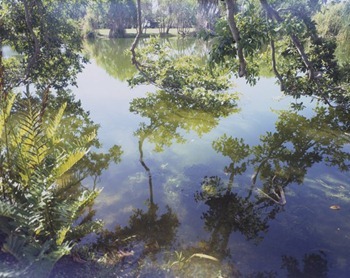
<point x="282" y="158"/>
<point x="147" y="232"/>
<point x="111" y="55"/>
<point x="314" y="265"/>
<point x="169" y="115"/>
<point x="229" y="212"/>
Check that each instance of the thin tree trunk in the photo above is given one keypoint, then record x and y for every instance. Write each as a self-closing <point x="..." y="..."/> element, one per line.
<point x="28" y="18"/>
<point x="231" y="11"/>
<point x="274" y="64"/>
<point x="137" y="38"/>
<point x="2" y="93"/>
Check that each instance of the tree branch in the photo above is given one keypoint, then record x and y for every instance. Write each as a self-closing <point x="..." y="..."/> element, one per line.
<point x="273" y="14"/>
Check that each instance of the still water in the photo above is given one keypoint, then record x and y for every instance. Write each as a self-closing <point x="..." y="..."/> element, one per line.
<point x="186" y="184"/>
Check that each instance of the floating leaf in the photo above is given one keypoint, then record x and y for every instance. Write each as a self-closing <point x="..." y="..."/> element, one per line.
<point x="335" y="207"/>
<point x="203" y="256"/>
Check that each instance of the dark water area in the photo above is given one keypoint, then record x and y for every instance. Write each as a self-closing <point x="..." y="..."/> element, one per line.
<point x="186" y="185"/>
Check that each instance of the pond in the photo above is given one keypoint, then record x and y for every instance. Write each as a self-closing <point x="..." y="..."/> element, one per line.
<point x="261" y="192"/>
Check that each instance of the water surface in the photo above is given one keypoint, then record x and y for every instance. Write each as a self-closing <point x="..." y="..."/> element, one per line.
<point x="174" y="190"/>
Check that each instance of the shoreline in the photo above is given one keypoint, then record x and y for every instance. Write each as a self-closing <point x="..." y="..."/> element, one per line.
<point x="131" y="33"/>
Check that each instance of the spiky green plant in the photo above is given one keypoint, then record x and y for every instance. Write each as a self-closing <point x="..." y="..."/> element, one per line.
<point x="39" y="221"/>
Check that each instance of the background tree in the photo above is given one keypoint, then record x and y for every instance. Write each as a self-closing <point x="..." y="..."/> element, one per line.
<point x="165" y="15"/>
<point x="148" y="18"/>
<point x="121" y="15"/>
<point x="207" y="15"/>
<point x="185" y="16"/>
<point x="95" y="17"/>
<point x="333" y="23"/>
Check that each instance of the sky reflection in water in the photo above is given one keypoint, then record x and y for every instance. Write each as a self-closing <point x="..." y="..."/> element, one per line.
<point x="302" y="237"/>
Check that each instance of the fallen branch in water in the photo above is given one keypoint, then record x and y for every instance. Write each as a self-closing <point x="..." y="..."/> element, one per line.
<point x="280" y="199"/>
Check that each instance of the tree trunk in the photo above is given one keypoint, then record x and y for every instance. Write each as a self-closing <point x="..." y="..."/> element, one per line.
<point x="28" y="18"/>
<point x="116" y="32"/>
<point x="2" y="93"/>
<point x="231" y="10"/>
<point x="139" y="32"/>
<point x="139" y="19"/>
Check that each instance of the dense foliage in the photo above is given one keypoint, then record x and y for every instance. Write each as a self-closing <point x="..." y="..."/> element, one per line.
<point x="45" y="138"/>
<point x="40" y="205"/>
<point x="45" y="36"/>
<point x="302" y="60"/>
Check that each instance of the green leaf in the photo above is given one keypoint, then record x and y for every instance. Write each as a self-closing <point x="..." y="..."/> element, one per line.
<point x="69" y="161"/>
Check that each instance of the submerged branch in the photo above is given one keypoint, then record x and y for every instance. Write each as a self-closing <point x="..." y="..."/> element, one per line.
<point x="150" y="183"/>
<point x="280" y="199"/>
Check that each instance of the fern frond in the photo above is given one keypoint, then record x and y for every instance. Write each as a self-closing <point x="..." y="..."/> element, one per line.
<point x="14" y="245"/>
<point x="85" y="199"/>
<point x="14" y="212"/>
<point x="52" y="128"/>
<point x="68" y="161"/>
<point x="28" y="145"/>
<point x="61" y="235"/>
<point x="87" y="228"/>
<point x="86" y="139"/>
<point x="6" y="110"/>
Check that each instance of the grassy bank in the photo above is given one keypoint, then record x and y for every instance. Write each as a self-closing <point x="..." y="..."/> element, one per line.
<point x="131" y="32"/>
